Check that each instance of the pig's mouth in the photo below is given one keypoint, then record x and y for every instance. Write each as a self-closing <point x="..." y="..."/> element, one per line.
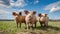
<point x="30" y="17"/>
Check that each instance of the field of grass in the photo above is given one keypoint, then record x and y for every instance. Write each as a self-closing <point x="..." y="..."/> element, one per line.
<point x="9" y="27"/>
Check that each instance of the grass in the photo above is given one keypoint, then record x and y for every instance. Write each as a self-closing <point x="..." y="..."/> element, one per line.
<point x="9" y="27"/>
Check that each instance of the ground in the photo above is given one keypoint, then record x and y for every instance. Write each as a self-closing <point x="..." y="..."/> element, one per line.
<point x="9" y="27"/>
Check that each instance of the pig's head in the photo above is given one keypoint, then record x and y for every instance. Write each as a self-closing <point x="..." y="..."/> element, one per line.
<point x="16" y="13"/>
<point x="29" y="14"/>
<point x="39" y="14"/>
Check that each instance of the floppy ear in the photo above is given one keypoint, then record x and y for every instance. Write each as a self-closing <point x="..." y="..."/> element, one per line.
<point x="34" y="12"/>
<point x="13" y="13"/>
<point x="46" y="15"/>
<point x="39" y="14"/>
<point x="26" y="12"/>
<point x="20" y="13"/>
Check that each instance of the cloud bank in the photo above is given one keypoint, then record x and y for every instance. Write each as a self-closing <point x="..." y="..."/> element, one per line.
<point x="16" y="3"/>
<point x="53" y="7"/>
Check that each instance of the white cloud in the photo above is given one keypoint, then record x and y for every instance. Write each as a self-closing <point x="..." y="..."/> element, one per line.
<point x="3" y="4"/>
<point x="36" y="1"/>
<point x="7" y="13"/>
<point x="53" y="7"/>
<point x="12" y="3"/>
<point x="4" y="14"/>
<point x="1" y="1"/>
<point x="55" y="18"/>
<point x="21" y="9"/>
<point x="18" y="3"/>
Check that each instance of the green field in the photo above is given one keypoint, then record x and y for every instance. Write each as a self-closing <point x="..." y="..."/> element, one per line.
<point x="9" y="27"/>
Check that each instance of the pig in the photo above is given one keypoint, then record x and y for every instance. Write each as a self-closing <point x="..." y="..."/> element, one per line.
<point x="19" y="18"/>
<point x="43" y="19"/>
<point x="30" y="18"/>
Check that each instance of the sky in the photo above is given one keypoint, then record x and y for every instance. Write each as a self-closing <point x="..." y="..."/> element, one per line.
<point x="50" y="7"/>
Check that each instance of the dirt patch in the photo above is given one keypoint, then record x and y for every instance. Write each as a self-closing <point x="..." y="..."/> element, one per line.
<point x="26" y="33"/>
<point x="32" y="32"/>
<point x="4" y="32"/>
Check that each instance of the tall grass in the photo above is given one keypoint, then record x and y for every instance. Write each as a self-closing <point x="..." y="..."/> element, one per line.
<point x="9" y="27"/>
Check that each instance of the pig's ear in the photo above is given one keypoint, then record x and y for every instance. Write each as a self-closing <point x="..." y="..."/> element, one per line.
<point x="46" y="14"/>
<point x="39" y="14"/>
<point x="34" y="12"/>
<point x="26" y="12"/>
<point x="14" y="13"/>
<point x="20" y="13"/>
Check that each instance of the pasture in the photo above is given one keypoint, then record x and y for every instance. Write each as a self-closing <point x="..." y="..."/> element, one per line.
<point x="9" y="27"/>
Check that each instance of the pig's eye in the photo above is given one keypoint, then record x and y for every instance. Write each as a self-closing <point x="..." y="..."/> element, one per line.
<point x="30" y="16"/>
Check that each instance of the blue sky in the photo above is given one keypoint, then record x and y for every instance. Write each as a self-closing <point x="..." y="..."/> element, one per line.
<point x="51" y="7"/>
